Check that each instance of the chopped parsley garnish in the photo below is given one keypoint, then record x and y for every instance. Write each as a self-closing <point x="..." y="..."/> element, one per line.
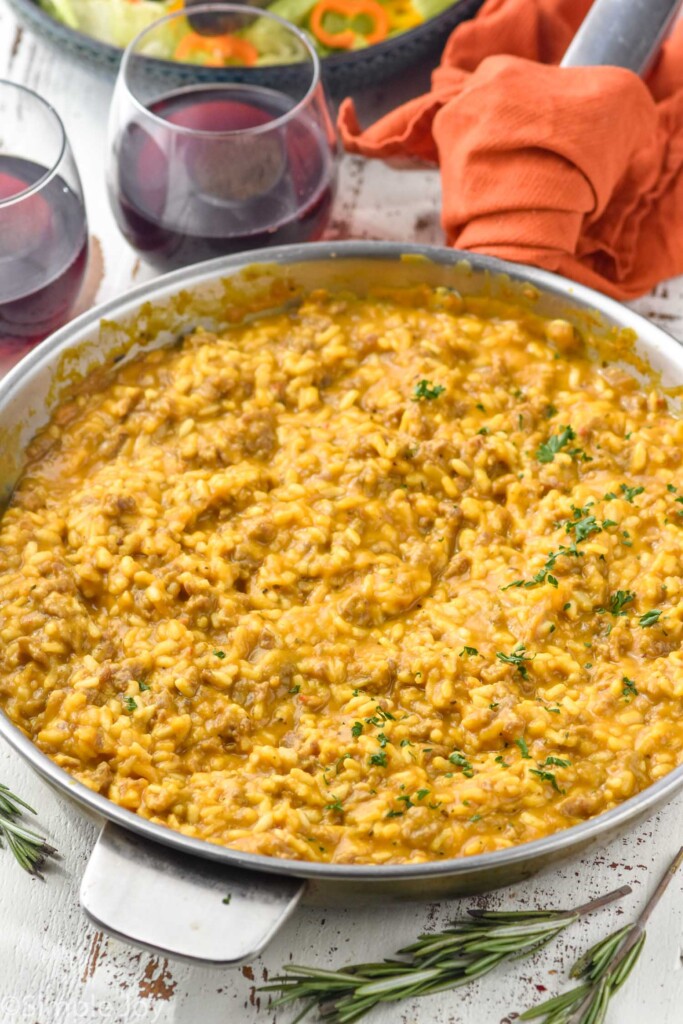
<point x="517" y="658"/>
<point x="549" y="411"/>
<point x="130" y="704"/>
<point x="483" y="430"/>
<point x="671" y="488"/>
<point x="521" y="743"/>
<point x="335" y="806"/>
<point x="501" y="761"/>
<point x="649" y="618"/>
<point x="356" y="729"/>
<point x="629" y="689"/>
<point x="227" y="899"/>
<point x="460" y="761"/>
<point x="406" y="800"/>
<point x="395" y="814"/>
<point x="406" y="743"/>
<point x="421" y="794"/>
<point x="426" y="391"/>
<point x="544" y="575"/>
<point x="143" y="686"/>
<point x="295" y="689"/>
<point x="471" y="651"/>
<point x="619" y="599"/>
<point x="608" y="522"/>
<point x="380" y="759"/>
<point x="475" y="817"/>
<point x="583" y="527"/>
<point x="631" y="492"/>
<point x="382" y="739"/>
<point x="492" y="707"/>
<point x="380" y="718"/>
<point x="545" y="776"/>
<point x="547" y="451"/>
<point x="559" y="762"/>
<point x="219" y="654"/>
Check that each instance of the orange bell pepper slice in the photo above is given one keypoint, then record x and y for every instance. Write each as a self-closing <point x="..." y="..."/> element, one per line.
<point x="218" y="50"/>
<point x="346" y="39"/>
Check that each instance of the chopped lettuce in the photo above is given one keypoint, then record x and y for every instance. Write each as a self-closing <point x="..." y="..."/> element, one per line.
<point x="275" y="43"/>
<point x="116" y="22"/>
<point x="296" y="11"/>
<point x="430" y="8"/>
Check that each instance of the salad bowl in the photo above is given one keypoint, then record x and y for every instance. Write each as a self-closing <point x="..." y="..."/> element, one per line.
<point x="117" y="21"/>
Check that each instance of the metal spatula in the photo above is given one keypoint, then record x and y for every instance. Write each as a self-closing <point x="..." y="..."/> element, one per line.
<point x="623" y="33"/>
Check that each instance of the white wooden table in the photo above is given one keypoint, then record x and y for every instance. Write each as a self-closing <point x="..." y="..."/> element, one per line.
<point x="55" y="968"/>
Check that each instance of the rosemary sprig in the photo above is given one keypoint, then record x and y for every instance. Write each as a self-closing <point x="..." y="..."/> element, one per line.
<point x="604" y="968"/>
<point x="468" y="949"/>
<point x="29" y="848"/>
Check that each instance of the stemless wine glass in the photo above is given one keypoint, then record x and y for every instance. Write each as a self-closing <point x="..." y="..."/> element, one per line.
<point x="43" y="226"/>
<point x="235" y="152"/>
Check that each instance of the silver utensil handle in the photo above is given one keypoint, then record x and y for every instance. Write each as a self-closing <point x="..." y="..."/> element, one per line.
<point x="623" y="33"/>
<point x="180" y="906"/>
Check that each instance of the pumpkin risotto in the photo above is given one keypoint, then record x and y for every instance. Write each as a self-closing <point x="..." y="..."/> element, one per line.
<point x="371" y="581"/>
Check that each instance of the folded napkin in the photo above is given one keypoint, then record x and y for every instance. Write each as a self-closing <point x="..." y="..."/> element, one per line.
<point x="577" y="170"/>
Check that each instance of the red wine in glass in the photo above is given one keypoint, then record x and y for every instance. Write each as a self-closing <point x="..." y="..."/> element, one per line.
<point x="43" y="251"/>
<point x="239" y="174"/>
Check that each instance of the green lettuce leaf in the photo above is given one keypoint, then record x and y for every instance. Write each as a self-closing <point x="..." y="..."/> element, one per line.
<point x="116" y="22"/>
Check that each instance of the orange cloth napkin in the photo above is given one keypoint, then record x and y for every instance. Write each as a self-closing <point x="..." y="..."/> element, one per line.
<point x="577" y="170"/>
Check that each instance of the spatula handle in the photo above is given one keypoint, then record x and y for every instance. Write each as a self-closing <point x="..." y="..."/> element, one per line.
<point x="623" y="33"/>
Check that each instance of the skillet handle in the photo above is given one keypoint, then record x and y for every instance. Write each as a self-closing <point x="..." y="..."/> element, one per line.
<point x="181" y="906"/>
<point x="625" y="33"/>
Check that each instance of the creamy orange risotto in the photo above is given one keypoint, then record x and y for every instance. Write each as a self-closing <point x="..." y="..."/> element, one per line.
<point x="372" y="581"/>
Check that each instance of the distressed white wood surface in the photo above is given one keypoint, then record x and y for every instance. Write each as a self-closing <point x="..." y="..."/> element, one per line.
<point x="57" y="969"/>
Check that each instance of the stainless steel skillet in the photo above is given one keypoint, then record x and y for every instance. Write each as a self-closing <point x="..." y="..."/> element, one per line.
<point x="158" y="888"/>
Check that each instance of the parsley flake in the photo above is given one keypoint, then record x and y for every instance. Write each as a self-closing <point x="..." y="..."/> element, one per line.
<point x="545" y="776"/>
<point x="517" y="658"/>
<point x="460" y="761"/>
<point x="522" y="744"/>
<point x="619" y="599"/>
<point x="649" y="618"/>
<point x="629" y="691"/>
<point x="631" y="492"/>
<point x="547" y="451"/>
<point x="583" y="528"/>
<point x="426" y="391"/>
